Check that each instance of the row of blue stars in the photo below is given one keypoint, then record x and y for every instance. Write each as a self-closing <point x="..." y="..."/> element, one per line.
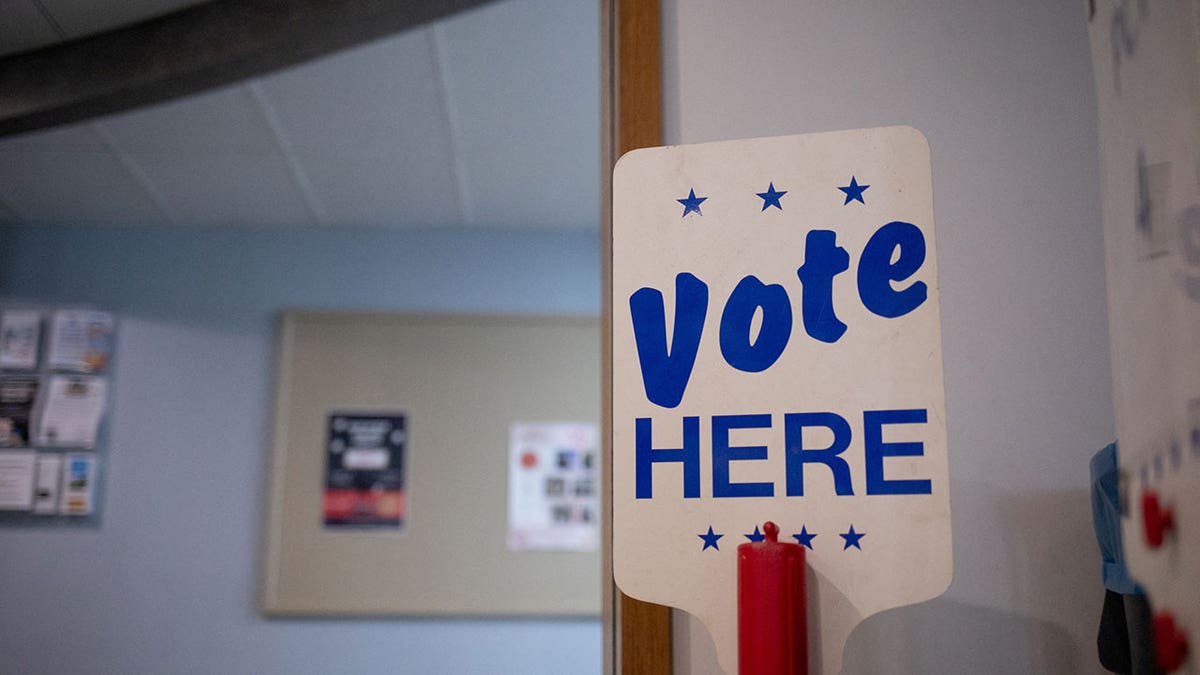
<point x="804" y="537"/>
<point x="854" y="192"/>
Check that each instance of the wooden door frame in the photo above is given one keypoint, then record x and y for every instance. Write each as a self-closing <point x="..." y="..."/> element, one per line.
<point x="637" y="635"/>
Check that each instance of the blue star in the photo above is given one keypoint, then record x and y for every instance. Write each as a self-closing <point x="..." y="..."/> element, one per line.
<point x="710" y="539"/>
<point x="692" y="203"/>
<point x="852" y="538"/>
<point x="756" y="536"/>
<point x="771" y="197"/>
<point x="805" y="537"/>
<point x="853" y="191"/>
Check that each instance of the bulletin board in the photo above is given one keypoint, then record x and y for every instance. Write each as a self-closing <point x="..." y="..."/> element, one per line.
<point x="459" y="382"/>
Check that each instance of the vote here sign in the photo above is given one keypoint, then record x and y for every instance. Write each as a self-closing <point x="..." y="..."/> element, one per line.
<point x="777" y="356"/>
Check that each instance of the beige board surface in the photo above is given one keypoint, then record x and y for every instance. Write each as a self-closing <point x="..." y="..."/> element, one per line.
<point x="461" y="381"/>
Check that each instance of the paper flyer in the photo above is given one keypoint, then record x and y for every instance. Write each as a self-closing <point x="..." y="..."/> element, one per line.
<point x="553" y="484"/>
<point x="16" y="480"/>
<point x="80" y="340"/>
<point x="19" y="332"/>
<point x="45" y="489"/>
<point x="18" y="394"/>
<point x="364" y="471"/>
<point x="68" y="411"/>
<point x="78" y="485"/>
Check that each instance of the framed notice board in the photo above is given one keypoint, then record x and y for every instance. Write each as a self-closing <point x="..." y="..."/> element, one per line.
<point x="419" y="407"/>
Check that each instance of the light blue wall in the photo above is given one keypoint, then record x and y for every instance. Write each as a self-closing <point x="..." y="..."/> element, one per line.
<point x="169" y="583"/>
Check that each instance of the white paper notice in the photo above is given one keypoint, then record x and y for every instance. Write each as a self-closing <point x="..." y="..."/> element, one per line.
<point x="45" y="491"/>
<point x="553" y="480"/>
<point x="69" y="411"/>
<point x="78" y="485"/>
<point x="80" y="340"/>
<point x="16" y="480"/>
<point x="19" y="332"/>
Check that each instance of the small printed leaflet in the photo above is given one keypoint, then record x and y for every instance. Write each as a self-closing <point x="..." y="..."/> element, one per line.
<point x="364" y="470"/>
<point x="80" y="340"/>
<point x="553" y="483"/>
<point x="78" y="484"/>
<point x="17" y="396"/>
<point x="16" y="480"/>
<point x="68" y="411"/>
<point x="45" y="489"/>
<point x="19" y="331"/>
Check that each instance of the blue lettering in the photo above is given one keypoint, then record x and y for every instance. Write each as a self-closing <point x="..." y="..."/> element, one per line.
<point x="666" y="370"/>
<point x="797" y="455"/>
<point x="876" y="450"/>
<point x="647" y="455"/>
<point x="722" y="454"/>
<point x="876" y="271"/>
<point x="823" y="260"/>
<point x="773" y="334"/>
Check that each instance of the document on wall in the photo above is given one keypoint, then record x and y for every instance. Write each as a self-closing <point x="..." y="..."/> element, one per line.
<point x="17" y="396"/>
<point x="78" y="485"/>
<point x="19" y="332"/>
<point x="80" y="340"/>
<point x="68" y="411"/>
<point x="364" y="471"/>
<point x="553" y="483"/>
<point x="45" y="488"/>
<point x="16" y="480"/>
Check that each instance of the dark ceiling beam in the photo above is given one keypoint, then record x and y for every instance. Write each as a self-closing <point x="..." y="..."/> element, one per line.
<point x="204" y="46"/>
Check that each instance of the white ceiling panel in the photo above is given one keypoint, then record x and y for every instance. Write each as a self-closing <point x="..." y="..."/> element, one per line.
<point x="226" y="189"/>
<point x="368" y="128"/>
<point x="85" y="17"/>
<point x="221" y="121"/>
<point x="523" y="80"/>
<point x="212" y="159"/>
<point x="71" y="179"/>
<point x="22" y="27"/>
<point x="381" y="186"/>
<point x="490" y="119"/>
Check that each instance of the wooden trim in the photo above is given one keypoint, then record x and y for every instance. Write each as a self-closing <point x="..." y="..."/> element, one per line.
<point x="637" y="634"/>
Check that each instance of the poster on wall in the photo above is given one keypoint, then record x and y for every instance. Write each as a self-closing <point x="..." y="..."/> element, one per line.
<point x="1144" y="58"/>
<point x="553" y="479"/>
<point x="364" y="471"/>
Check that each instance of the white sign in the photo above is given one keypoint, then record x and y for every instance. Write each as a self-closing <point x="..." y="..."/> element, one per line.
<point x="1148" y="101"/>
<point x="777" y="356"/>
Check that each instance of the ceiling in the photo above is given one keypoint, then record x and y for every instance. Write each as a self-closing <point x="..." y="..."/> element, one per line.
<point x="490" y="118"/>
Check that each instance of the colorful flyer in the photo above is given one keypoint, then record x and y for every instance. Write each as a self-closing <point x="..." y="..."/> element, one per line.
<point x="78" y="485"/>
<point x="19" y="331"/>
<point x="16" y="480"/>
<point x="80" y="340"/>
<point x="17" y="396"/>
<point x="553" y="484"/>
<point x="364" y="470"/>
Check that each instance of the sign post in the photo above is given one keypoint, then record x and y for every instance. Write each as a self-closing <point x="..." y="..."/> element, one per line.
<point x="777" y="356"/>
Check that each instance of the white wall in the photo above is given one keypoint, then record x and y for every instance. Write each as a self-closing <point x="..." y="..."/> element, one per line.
<point x="1003" y="90"/>
<point x="168" y="583"/>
